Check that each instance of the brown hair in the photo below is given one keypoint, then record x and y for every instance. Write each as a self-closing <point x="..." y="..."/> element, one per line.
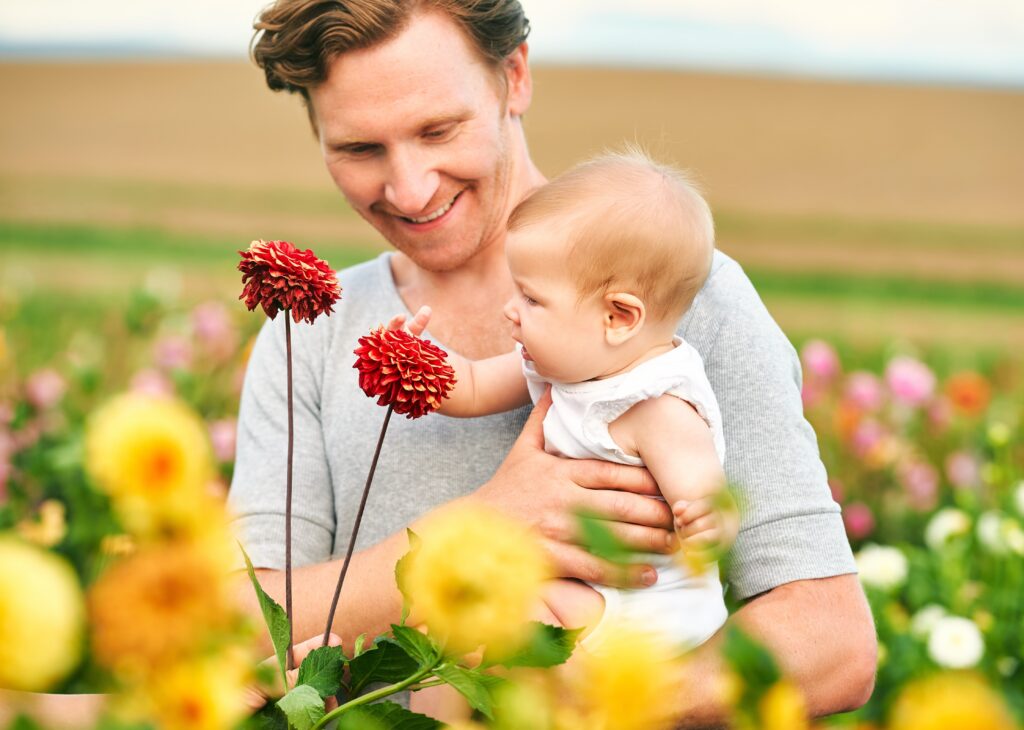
<point x="297" y="40"/>
<point x="632" y="224"/>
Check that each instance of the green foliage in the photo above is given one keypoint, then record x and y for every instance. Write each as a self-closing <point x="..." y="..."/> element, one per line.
<point x="387" y="662"/>
<point x="549" y="646"/>
<point x="416" y="645"/>
<point x="303" y="706"/>
<point x="275" y="618"/>
<point x="385" y="716"/>
<point x="470" y="685"/>
<point x="322" y="669"/>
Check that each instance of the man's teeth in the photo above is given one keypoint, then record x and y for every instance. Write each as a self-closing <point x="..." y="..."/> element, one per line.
<point x="436" y="214"/>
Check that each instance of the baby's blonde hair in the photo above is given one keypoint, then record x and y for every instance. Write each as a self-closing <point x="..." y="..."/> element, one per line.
<point x="633" y="225"/>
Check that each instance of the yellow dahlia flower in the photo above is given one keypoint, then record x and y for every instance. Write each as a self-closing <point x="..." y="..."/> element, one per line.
<point x="474" y="579"/>
<point x="42" y="616"/>
<point x="950" y="700"/>
<point x="152" y="456"/>
<point x="630" y="680"/>
<point x="782" y="708"/>
<point x="158" y="605"/>
<point x="204" y="694"/>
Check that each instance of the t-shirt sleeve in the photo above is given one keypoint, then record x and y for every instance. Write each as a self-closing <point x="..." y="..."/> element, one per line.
<point x="791" y="528"/>
<point x="257" y="495"/>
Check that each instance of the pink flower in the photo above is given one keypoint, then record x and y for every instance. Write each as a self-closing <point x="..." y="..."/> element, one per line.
<point x="152" y="382"/>
<point x="921" y="480"/>
<point x="222" y="436"/>
<point x="910" y="381"/>
<point x="963" y="470"/>
<point x="864" y="390"/>
<point x="44" y="389"/>
<point x="867" y="436"/>
<point x="172" y="353"/>
<point x="213" y="329"/>
<point x="859" y="520"/>
<point x="820" y="360"/>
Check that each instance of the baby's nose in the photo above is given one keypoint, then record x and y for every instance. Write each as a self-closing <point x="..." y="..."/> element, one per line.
<point x="511" y="313"/>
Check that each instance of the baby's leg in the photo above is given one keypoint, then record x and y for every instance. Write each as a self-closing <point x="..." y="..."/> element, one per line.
<point x="567" y="603"/>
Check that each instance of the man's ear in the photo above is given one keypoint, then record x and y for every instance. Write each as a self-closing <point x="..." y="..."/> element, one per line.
<point x="624" y="316"/>
<point x="518" y="82"/>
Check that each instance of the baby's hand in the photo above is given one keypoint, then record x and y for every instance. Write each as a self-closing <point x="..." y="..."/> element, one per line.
<point x="707" y="525"/>
<point x="416" y="325"/>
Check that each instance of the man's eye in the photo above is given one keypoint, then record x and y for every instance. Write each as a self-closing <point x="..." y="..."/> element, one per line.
<point x="439" y="134"/>
<point x="359" y="150"/>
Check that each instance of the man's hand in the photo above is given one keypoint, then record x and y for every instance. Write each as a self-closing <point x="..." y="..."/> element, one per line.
<point x="257" y="696"/>
<point x="548" y="492"/>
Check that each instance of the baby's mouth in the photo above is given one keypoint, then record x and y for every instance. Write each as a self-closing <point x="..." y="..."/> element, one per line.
<point x="526" y="354"/>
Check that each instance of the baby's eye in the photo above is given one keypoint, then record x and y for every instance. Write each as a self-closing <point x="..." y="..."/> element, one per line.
<point x="529" y="300"/>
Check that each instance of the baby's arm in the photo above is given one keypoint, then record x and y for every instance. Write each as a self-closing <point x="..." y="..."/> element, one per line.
<point x="677" y="447"/>
<point x="482" y="387"/>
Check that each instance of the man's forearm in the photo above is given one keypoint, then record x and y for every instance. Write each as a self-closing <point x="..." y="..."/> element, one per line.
<point x="370" y="601"/>
<point x="822" y="635"/>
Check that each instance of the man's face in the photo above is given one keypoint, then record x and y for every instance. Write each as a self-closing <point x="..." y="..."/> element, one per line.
<point x="416" y="133"/>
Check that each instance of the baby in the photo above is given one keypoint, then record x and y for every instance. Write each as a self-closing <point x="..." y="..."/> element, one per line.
<point x="606" y="260"/>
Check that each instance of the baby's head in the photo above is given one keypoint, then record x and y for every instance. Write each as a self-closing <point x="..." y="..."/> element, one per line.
<point x="618" y="247"/>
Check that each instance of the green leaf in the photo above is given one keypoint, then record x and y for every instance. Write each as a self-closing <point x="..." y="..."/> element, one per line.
<point x="416" y="645"/>
<point x="303" y="707"/>
<point x="275" y="617"/>
<point x="268" y="717"/>
<point x="322" y="670"/>
<point x="598" y="540"/>
<point x="549" y="646"/>
<point x="360" y="642"/>
<point x="470" y="685"/>
<point x="400" y="568"/>
<point x="386" y="662"/>
<point x="385" y="716"/>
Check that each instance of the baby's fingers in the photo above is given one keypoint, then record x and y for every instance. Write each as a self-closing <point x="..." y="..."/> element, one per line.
<point x="397" y="322"/>
<point x="419" y="322"/>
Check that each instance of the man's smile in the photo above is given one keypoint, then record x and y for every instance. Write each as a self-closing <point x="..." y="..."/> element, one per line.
<point x="433" y="216"/>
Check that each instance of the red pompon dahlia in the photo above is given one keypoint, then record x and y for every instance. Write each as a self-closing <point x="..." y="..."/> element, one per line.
<point x="404" y="371"/>
<point x="279" y="276"/>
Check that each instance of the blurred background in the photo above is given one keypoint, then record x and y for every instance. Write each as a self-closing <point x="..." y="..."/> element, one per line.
<point x="865" y="164"/>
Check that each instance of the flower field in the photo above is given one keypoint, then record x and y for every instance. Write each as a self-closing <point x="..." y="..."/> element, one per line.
<point x="926" y="459"/>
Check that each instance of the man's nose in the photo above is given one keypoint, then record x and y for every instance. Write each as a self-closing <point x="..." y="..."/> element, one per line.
<point x="412" y="183"/>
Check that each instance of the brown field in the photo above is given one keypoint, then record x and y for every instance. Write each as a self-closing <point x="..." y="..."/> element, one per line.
<point x="812" y="176"/>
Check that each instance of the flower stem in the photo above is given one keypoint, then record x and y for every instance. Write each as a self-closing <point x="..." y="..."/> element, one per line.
<point x="355" y="527"/>
<point x="288" y="495"/>
<point x="376" y="695"/>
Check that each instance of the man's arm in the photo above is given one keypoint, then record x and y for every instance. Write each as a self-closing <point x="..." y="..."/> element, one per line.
<point x="822" y="636"/>
<point x="542" y="490"/>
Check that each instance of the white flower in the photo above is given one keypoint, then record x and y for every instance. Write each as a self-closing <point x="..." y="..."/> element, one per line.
<point x="882" y="567"/>
<point x="944" y="525"/>
<point x="955" y="643"/>
<point x="924" y="621"/>
<point x="1014" y="535"/>
<point x="990" y="532"/>
<point x="1018" y="496"/>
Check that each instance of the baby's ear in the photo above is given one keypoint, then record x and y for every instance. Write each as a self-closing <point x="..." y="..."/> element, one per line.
<point x="624" y="316"/>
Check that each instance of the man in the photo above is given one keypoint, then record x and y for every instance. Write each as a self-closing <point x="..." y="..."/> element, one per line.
<point x="418" y="109"/>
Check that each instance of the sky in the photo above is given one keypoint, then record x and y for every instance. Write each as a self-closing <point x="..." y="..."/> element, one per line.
<point x="942" y="41"/>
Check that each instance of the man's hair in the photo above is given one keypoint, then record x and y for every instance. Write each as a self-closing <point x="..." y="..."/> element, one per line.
<point x="632" y="225"/>
<point x="297" y="40"/>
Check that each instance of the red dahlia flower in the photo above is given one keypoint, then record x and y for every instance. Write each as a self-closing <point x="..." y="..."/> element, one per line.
<point x="278" y="276"/>
<point x="403" y="371"/>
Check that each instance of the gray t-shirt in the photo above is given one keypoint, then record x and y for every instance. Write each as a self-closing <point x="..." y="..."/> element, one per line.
<point x="791" y="528"/>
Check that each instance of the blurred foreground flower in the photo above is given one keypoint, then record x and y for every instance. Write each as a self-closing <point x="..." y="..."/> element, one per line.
<point x="969" y="393"/>
<point x="631" y="680"/>
<point x="42" y="617"/>
<point x="950" y="701"/>
<point x="401" y="370"/>
<point x="152" y="456"/>
<point x="945" y="525"/>
<point x="783" y="708"/>
<point x="159" y="605"/>
<point x="276" y="276"/>
<point x="473" y="578"/>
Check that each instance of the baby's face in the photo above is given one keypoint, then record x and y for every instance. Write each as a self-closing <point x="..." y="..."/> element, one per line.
<point x="563" y="337"/>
